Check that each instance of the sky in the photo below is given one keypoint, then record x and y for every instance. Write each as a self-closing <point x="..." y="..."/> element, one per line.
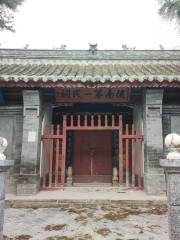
<point x="47" y="24"/>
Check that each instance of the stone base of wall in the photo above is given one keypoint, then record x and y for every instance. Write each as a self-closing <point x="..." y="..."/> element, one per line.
<point x="22" y="185"/>
<point x="154" y="182"/>
<point x="28" y="185"/>
<point x="11" y="183"/>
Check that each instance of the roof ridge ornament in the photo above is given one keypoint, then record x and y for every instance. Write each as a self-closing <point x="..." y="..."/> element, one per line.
<point x="93" y="48"/>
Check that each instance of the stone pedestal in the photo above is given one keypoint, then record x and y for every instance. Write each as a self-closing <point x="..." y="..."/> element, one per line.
<point x="172" y="173"/>
<point x="4" y="167"/>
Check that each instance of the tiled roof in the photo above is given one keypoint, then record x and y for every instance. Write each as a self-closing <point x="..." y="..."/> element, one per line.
<point x="118" y="66"/>
<point x="90" y="72"/>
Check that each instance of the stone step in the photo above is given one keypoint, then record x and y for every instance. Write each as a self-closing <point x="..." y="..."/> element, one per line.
<point x="83" y="203"/>
<point x="93" y="184"/>
<point x="95" y="188"/>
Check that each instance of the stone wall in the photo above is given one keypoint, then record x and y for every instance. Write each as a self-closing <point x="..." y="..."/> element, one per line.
<point x="11" y="127"/>
<point x="154" y="181"/>
<point x="159" y="120"/>
<point x="29" y="180"/>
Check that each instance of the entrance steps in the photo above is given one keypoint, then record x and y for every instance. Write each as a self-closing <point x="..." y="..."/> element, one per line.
<point x="79" y="187"/>
<point x="84" y="197"/>
<point x="75" y="185"/>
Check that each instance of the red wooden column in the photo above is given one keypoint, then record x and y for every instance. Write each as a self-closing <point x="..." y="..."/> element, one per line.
<point x="45" y="168"/>
<point x="63" y="169"/>
<point x="127" y="156"/>
<point x="120" y="151"/>
<point x="51" y="156"/>
<point x="133" y="156"/>
<point x="57" y="156"/>
<point x="139" y="139"/>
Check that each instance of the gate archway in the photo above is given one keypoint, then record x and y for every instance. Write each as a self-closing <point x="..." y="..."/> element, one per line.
<point x="54" y="139"/>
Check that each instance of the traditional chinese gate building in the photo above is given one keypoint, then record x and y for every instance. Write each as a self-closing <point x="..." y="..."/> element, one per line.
<point x="76" y="118"/>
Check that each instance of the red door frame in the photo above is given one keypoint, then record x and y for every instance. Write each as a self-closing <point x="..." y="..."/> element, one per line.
<point x="58" y="137"/>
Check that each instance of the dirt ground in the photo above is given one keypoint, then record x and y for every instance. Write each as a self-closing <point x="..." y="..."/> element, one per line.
<point x="86" y="224"/>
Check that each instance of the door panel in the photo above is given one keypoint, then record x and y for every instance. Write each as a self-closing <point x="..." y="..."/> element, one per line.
<point x="80" y="152"/>
<point x="92" y="156"/>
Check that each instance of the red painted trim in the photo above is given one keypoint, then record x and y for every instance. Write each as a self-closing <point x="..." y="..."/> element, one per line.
<point x="77" y="84"/>
<point x="50" y="136"/>
<point x="90" y="128"/>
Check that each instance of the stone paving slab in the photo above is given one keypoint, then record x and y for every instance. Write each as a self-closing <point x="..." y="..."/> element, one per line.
<point x="99" y="223"/>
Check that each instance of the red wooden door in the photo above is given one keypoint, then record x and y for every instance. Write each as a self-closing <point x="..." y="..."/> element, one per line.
<point x="92" y="156"/>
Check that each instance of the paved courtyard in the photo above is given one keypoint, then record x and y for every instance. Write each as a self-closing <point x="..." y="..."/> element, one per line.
<point x="92" y="223"/>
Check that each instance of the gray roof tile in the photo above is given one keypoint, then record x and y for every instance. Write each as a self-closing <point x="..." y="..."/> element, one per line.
<point x="84" y="72"/>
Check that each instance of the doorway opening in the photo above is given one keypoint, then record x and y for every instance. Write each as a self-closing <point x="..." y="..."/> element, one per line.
<point x="92" y="143"/>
